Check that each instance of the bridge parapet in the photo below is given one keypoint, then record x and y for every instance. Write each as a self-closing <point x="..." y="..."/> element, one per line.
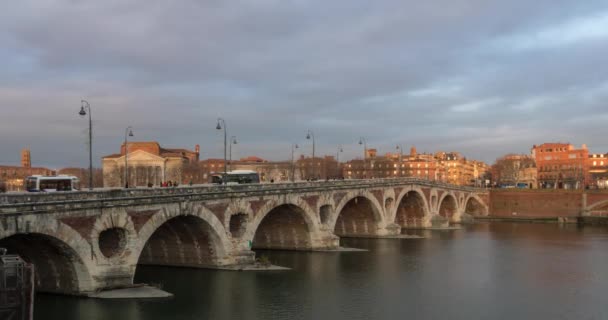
<point x="12" y="203"/>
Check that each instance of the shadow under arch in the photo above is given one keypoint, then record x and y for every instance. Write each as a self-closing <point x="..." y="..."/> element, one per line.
<point x="448" y="206"/>
<point x="58" y="268"/>
<point x="411" y="210"/>
<point x="358" y="217"/>
<point x="475" y="207"/>
<point x="183" y="241"/>
<point x="285" y="227"/>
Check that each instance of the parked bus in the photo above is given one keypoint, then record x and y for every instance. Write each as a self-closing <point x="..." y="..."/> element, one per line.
<point x="236" y="177"/>
<point x="51" y="183"/>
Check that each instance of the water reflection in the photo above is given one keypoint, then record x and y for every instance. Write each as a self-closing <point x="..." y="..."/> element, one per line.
<point x="483" y="271"/>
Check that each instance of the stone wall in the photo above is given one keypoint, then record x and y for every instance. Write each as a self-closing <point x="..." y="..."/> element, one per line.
<point x="536" y="203"/>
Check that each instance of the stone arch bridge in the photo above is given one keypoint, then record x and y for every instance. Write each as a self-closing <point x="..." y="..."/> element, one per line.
<point x="83" y="242"/>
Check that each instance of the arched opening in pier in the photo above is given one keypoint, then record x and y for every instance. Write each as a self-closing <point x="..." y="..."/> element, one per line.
<point x="359" y="217"/>
<point x="475" y="208"/>
<point x="58" y="268"/>
<point x="283" y="227"/>
<point x="325" y="213"/>
<point x="411" y="210"/>
<point x="448" y="207"/>
<point x="183" y="241"/>
<point x="238" y="224"/>
<point x="112" y="242"/>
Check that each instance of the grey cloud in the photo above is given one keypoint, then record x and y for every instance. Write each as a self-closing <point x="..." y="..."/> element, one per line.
<point x="411" y="72"/>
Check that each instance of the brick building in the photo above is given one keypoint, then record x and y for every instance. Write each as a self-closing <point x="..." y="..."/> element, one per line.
<point x="560" y="165"/>
<point x="448" y="167"/>
<point x="149" y="163"/>
<point x="515" y="170"/>
<point x="597" y="165"/>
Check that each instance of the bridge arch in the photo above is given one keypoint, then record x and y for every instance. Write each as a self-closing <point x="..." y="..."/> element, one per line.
<point x="448" y="206"/>
<point x="599" y="208"/>
<point x="412" y="209"/>
<point x="59" y="264"/>
<point x="473" y="205"/>
<point x="285" y="226"/>
<point x="193" y="239"/>
<point x="357" y="215"/>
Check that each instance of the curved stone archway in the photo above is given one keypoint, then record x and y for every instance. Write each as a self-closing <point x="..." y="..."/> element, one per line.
<point x="58" y="267"/>
<point x="448" y="207"/>
<point x="475" y="207"/>
<point x="412" y="210"/>
<point x="285" y="227"/>
<point x="185" y="241"/>
<point x="358" y="217"/>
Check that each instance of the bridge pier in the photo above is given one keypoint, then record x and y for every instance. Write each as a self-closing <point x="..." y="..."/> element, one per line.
<point x="324" y="240"/>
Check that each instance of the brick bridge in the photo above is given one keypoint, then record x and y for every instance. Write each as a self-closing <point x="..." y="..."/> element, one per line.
<point x="84" y="242"/>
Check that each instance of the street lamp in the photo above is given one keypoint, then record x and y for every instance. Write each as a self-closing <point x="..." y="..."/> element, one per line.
<point x="221" y="122"/>
<point x="338" y="160"/>
<point x="400" y="148"/>
<point x="128" y="133"/>
<point x="293" y="166"/>
<point x="363" y="142"/>
<point x="232" y="141"/>
<point x="308" y="137"/>
<point x="85" y="104"/>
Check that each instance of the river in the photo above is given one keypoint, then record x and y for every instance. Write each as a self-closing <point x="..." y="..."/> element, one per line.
<point x="482" y="271"/>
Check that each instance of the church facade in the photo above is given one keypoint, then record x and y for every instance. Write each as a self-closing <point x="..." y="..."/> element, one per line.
<point x="148" y="164"/>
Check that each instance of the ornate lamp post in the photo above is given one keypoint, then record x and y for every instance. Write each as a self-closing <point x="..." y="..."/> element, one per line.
<point x="308" y="137"/>
<point x="293" y="166"/>
<point x="400" y="148"/>
<point x="363" y="142"/>
<point x="338" y="159"/>
<point x="128" y="133"/>
<point x="222" y="123"/>
<point x="232" y="141"/>
<point x="85" y="105"/>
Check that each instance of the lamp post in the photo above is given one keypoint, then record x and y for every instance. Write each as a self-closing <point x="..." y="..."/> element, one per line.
<point x="338" y="160"/>
<point x="221" y="122"/>
<point x="293" y="166"/>
<point x="363" y="142"/>
<point x="427" y="165"/>
<point x="85" y="104"/>
<point x="232" y="141"/>
<point x="128" y="133"/>
<point x="400" y="148"/>
<point x="308" y="137"/>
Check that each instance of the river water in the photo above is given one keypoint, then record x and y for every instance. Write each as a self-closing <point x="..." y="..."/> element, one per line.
<point x="483" y="271"/>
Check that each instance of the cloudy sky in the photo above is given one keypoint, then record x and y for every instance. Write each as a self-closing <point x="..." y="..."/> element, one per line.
<point x="481" y="77"/>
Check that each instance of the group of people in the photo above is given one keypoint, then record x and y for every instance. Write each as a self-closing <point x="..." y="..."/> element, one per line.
<point x="165" y="184"/>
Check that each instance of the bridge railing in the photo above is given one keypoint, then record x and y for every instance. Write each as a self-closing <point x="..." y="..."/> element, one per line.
<point x="212" y="191"/>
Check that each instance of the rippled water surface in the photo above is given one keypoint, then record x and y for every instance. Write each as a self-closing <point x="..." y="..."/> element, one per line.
<point x="484" y="271"/>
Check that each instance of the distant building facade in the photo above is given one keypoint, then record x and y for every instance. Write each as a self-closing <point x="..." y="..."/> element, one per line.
<point x="448" y="167"/>
<point x="597" y="165"/>
<point x="149" y="164"/>
<point x="561" y="166"/>
<point x="515" y="170"/>
<point x="13" y="176"/>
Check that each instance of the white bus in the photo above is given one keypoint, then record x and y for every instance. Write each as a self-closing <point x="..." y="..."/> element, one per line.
<point x="236" y="177"/>
<point x="51" y="183"/>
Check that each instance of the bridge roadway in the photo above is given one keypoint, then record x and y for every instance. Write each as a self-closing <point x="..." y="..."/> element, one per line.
<point x="84" y="242"/>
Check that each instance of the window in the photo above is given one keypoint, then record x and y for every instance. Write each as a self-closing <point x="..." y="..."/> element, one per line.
<point x="595" y="163"/>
